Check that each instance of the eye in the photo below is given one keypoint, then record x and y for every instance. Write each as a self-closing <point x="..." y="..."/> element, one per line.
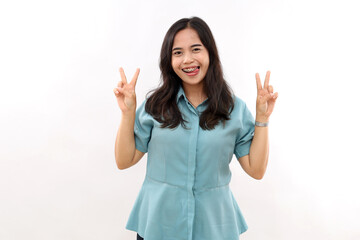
<point x="177" y="53"/>
<point x="196" y="50"/>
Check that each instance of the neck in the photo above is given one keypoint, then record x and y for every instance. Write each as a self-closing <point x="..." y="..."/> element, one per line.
<point x="194" y="93"/>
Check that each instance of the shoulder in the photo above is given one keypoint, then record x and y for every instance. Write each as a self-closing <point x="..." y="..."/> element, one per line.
<point x="239" y="104"/>
<point x="241" y="112"/>
<point x="141" y="110"/>
<point x="141" y="105"/>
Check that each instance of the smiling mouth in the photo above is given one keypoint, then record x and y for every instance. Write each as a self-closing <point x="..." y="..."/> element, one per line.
<point x="191" y="69"/>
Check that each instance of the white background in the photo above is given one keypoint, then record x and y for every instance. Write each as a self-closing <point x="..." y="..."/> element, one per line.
<point x="59" y="64"/>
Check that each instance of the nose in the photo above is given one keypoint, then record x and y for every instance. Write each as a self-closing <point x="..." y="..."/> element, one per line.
<point x="188" y="58"/>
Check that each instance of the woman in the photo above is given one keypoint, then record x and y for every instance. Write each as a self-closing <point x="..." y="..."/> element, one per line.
<point x="191" y="126"/>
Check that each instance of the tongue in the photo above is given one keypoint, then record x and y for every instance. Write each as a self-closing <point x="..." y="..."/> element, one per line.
<point x="193" y="73"/>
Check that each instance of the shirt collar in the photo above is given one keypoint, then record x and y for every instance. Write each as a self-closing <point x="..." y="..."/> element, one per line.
<point x="180" y="93"/>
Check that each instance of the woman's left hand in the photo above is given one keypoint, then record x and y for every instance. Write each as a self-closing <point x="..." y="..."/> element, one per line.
<point x="266" y="99"/>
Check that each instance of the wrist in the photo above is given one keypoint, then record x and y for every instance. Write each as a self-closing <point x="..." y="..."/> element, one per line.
<point x="128" y="115"/>
<point x="261" y="124"/>
<point x="262" y="119"/>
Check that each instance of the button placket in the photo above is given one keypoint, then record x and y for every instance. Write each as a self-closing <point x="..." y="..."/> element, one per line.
<point x="192" y="108"/>
<point x="191" y="173"/>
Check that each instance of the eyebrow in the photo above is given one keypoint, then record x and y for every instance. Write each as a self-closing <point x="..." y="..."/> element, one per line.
<point x="194" y="45"/>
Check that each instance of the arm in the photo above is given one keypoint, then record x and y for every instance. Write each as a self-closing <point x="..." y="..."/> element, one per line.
<point x="255" y="162"/>
<point x="125" y="153"/>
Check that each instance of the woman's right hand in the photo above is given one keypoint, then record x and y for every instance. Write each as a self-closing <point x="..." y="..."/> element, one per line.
<point x="125" y="92"/>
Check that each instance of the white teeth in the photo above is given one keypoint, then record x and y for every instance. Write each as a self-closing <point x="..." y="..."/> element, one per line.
<point x="189" y="69"/>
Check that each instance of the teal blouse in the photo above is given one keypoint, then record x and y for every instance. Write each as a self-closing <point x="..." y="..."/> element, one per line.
<point x="185" y="194"/>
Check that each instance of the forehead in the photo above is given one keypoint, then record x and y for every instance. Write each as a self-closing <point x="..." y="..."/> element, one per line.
<point x="185" y="37"/>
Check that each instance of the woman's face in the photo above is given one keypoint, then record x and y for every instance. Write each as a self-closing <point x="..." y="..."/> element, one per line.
<point x="190" y="59"/>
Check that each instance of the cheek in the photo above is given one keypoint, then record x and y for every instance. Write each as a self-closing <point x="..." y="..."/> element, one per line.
<point x="207" y="59"/>
<point x="174" y="64"/>
<point x="207" y="63"/>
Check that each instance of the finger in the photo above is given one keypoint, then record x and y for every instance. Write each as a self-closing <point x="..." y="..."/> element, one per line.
<point x="275" y="96"/>
<point x="122" y="74"/>
<point x="267" y="78"/>
<point x="258" y="82"/>
<point x="270" y="108"/>
<point x="120" y="84"/>
<point x="125" y="92"/>
<point x="271" y="105"/>
<point x="118" y="90"/>
<point x="270" y="89"/>
<point x="267" y="97"/>
<point x="135" y="77"/>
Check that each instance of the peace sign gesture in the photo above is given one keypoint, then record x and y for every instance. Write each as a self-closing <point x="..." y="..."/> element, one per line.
<point x="266" y="99"/>
<point x="125" y="92"/>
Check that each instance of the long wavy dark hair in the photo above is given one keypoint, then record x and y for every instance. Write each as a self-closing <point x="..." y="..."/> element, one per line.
<point x="162" y="102"/>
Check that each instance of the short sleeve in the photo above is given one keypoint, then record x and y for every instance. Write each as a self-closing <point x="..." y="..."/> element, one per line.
<point x="246" y="133"/>
<point x="142" y="128"/>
